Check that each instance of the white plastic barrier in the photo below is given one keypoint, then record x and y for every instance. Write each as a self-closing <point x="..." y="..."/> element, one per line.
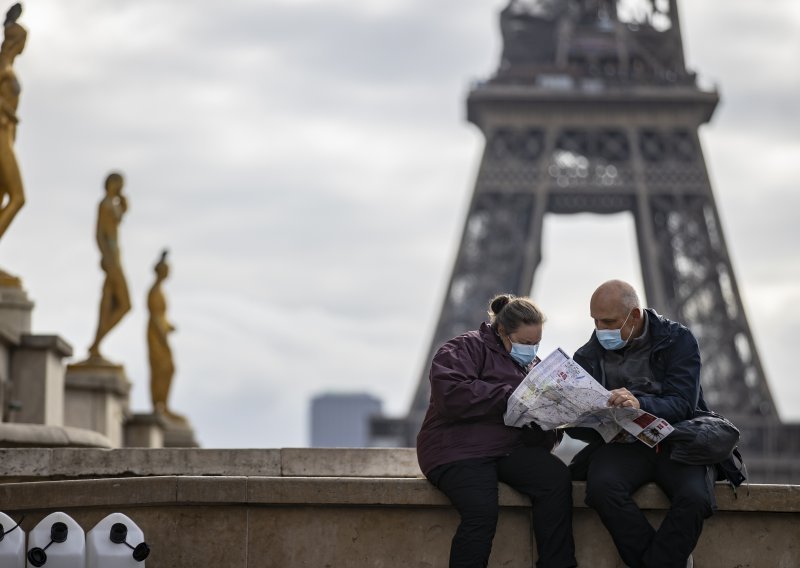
<point x="57" y="542"/>
<point x="116" y="542"/>
<point x="12" y="543"/>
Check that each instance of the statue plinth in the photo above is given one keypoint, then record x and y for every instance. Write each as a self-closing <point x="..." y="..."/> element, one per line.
<point x="15" y="310"/>
<point x="179" y="433"/>
<point x="145" y="430"/>
<point x="9" y="280"/>
<point x="96" y="398"/>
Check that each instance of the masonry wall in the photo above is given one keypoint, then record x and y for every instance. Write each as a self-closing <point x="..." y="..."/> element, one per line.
<point x="360" y="508"/>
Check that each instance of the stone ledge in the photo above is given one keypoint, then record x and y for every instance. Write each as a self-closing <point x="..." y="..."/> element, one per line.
<point x="103" y="379"/>
<point x="17" y="464"/>
<point x="286" y="475"/>
<point x="349" y="462"/>
<point x="46" y="343"/>
<point x="263" y="466"/>
<point x="20" y="464"/>
<point x="272" y="522"/>
<point x="26" y="441"/>
<point x="325" y="491"/>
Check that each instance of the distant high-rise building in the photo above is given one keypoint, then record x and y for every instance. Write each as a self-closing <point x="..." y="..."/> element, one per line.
<point x="343" y="420"/>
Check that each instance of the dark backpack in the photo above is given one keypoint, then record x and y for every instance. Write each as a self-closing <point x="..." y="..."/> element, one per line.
<point x="709" y="439"/>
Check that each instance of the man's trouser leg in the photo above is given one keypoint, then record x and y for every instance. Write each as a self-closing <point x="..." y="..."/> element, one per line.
<point x="688" y="492"/>
<point x="616" y="471"/>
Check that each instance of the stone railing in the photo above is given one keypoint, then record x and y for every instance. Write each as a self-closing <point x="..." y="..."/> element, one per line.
<point x="359" y="508"/>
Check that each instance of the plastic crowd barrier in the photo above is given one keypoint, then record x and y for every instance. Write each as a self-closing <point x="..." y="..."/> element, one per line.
<point x="116" y="542"/>
<point x="57" y="542"/>
<point x="12" y="543"/>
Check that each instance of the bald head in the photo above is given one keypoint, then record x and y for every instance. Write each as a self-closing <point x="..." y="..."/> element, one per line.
<point x="615" y="303"/>
<point x="617" y="292"/>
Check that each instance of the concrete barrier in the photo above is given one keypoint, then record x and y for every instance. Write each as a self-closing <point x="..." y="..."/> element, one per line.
<point x="302" y="517"/>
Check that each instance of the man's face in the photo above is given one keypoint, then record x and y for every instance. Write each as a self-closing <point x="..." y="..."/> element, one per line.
<point x="608" y="313"/>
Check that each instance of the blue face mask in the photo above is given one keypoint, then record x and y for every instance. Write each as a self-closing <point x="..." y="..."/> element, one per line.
<point x="611" y="339"/>
<point x="523" y="354"/>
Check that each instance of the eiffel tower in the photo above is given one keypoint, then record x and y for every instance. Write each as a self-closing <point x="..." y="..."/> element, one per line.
<point x="592" y="110"/>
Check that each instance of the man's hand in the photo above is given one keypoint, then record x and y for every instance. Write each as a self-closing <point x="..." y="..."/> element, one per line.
<point x="623" y="398"/>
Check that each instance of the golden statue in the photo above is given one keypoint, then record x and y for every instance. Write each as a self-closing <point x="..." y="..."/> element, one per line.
<point x="162" y="367"/>
<point x="12" y="196"/>
<point x="115" y="302"/>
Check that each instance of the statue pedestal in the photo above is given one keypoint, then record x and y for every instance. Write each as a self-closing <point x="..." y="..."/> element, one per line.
<point x="15" y="319"/>
<point x="37" y="385"/>
<point x="179" y="434"/>
<point x="31" y="367"/>
<point x="15" y="311"/>
<point x="145" y="431"/>
<point x="96" y="398"/>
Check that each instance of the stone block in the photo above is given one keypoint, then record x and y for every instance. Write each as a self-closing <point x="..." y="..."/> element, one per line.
<point x="145" y="430"/>
<point x="96" y="398"/>
<point x="350" y="462"/>
<point x="295" y="521"/>
<point x="179" y="435"/>
<point x="72" y="462"/>
<point x="15" y="312"/>
<point x="34" y="462"/>
<point x="58" y="495"/>
<point x="204" y="536"/>
<point x="372" y="538"/>
<point x="212" y="490"/>
<point x="37" y="376"/>
<point x="19" y="436"/>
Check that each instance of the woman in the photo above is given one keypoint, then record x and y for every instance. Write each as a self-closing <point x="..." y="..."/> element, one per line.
<point x="464" y="448"/>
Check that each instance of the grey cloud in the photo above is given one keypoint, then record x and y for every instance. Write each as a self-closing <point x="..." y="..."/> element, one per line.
<point x="310" y="169"/>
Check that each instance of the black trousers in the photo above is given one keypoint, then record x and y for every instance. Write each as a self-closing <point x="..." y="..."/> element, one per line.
<point x="471" y="485"/>
<point x="616" y="471"/>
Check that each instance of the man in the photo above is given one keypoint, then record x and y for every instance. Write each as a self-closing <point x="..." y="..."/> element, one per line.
<point x="646" y="361"/>
<point x="115" y="302"/>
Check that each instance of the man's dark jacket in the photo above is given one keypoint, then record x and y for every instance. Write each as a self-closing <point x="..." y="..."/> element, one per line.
<point x="674" y="392"/>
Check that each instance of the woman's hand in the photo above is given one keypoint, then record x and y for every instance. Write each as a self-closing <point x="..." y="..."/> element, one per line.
<point x="623" y="398"/>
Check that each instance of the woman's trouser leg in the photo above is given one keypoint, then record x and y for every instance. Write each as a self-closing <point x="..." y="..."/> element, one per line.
<point x="544" y="478"/>
<point x="471" y="485"/>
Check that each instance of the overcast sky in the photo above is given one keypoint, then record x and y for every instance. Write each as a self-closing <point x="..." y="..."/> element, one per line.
<point x="308" y="164"/>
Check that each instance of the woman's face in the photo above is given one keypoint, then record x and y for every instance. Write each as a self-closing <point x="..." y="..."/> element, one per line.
<point x="527" y="334"/>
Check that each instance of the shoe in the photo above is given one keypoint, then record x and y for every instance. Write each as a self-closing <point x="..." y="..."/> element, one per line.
<point x="689" y="562"/>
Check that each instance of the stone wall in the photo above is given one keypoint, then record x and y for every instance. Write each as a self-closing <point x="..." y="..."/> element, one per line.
<point x="360" y="508"/>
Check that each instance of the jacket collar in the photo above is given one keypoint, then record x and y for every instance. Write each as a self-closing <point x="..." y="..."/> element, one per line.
<point x="491" y="338"/>
<point x="658" y="327"/>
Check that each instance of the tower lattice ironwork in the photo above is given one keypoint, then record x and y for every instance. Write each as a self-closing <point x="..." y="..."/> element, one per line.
<point x="592" y="109"/>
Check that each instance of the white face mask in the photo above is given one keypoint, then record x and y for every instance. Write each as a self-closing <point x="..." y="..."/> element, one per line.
<point x="611" y="339"/>
<point x="522" y="353"/>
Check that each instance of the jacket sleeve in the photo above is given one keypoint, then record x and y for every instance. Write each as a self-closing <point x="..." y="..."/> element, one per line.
<point x="680" y="385"/>
<point x="457" y="391"/>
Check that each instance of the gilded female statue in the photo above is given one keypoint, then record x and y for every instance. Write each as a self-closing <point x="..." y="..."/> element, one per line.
<point x="115" y="301"/>
<point x="162" y="367"/>
<point x="12" y="196"/>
